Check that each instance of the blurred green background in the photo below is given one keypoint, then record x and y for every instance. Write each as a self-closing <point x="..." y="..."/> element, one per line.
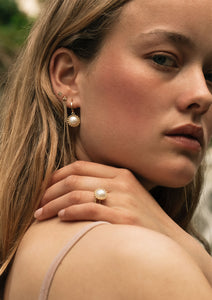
<point x="14" y="28"/>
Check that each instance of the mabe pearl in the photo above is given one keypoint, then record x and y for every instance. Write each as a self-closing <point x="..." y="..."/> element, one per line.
<point x="73" y="120"/>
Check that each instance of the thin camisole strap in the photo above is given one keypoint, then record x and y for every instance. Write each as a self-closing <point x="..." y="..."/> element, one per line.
<point x="44" y="292"/>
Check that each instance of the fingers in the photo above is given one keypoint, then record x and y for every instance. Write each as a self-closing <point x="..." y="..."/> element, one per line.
<point x="72" y="188"/>
<point x="74" y="183"/>
<point x="53" y="207"/>
<point x="84" y="168"/>
<point x="90" y="212"/>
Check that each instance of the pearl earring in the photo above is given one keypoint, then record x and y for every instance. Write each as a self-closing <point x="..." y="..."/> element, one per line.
<point x="73" y="120"/>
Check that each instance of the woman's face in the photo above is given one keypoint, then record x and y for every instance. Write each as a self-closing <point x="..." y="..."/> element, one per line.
<point x="145" y="100"/>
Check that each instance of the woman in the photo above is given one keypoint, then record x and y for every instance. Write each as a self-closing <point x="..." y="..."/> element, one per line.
<point x="139" y="74"/>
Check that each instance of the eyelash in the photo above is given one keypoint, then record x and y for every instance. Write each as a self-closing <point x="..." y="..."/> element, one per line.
<point x="165" y="57"/>
<point x="175" y="65"/>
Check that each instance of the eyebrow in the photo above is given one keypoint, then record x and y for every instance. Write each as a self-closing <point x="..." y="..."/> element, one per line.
<point x="174" y="37"/>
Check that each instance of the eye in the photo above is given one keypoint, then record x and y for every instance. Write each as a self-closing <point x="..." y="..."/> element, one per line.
<point x="165" y="60"/>
<point x="208" y="77"/>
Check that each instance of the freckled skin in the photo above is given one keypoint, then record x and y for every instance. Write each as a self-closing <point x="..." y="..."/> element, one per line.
<point x="128" y="101"/>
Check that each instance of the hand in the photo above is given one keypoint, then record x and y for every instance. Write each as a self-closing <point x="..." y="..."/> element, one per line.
<point x="72" y="191"/>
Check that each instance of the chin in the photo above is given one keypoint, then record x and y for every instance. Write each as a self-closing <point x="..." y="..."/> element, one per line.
<point x="174" y="178"/>
<point x="177" y="181"/>
<point x="169" y="181"/>
<point x="178" y="175"/>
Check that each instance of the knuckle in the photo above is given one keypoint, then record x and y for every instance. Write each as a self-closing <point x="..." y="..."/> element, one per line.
<point x="75" y="197"/>
<point x="92" y="207"/>
<point x="126" y="173"/>
<point x="125" y="180"/>
<point x="68" y="214"/>
<point x="130" y="219"/>
<point x="47" y="211"/>
<point x="76" y="166"/>
<point x="124" y="185"/>
<point x="70" y="181"/>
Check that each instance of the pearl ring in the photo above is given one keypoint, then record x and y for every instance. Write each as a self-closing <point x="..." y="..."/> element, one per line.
<point x="100" y="195"/>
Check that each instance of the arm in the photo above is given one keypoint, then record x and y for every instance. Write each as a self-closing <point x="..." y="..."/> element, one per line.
<point x="127" y="203"/>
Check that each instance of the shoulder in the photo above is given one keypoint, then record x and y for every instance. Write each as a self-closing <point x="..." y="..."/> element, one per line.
<point x="128" y="262"/>
<point x="109" y="262"/>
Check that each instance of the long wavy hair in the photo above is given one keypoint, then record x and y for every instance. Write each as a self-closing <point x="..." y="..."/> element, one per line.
<point x="33" y="142"/>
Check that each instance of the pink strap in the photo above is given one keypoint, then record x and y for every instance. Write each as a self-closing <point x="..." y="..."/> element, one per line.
<point x="44" y="292"/>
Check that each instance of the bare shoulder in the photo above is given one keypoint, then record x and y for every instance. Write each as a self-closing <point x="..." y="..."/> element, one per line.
<point x="38" y="248"/>
<point x="109" y="262"/>
<point x="128" y="262"/>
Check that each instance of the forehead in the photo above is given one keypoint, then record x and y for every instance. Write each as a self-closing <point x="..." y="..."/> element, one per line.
<point x="188" y="9"/>
<point x="191" y="17"/>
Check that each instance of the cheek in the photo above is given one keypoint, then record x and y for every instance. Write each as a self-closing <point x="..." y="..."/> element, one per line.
<point x="125" y="92"/>
<point x="123" y="102"/>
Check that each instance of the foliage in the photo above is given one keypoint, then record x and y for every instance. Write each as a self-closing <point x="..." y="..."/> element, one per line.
<point x="9" y="13"/>
<point x="14" y="28"/>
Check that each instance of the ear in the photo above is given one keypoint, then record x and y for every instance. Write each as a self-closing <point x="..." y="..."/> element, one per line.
<point x="64" y="69"/>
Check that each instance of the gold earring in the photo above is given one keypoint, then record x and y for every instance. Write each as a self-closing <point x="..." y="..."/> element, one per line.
<point x="73" y="120"/>
<point x="59" y="94"/>
<point x="64" y="98"/>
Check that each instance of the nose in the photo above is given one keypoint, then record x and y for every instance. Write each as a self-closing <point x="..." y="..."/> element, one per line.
<point x="195" y="96"/>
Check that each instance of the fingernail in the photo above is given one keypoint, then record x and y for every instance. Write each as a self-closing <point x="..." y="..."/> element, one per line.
<point x="38" y="213"/>
<point x="61" y="213"/>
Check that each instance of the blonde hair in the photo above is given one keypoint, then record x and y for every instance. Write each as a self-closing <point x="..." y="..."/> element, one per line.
<point x="33" y="142"/>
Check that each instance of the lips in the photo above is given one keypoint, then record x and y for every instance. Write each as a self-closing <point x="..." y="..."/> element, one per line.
<point x="188" y="131"/>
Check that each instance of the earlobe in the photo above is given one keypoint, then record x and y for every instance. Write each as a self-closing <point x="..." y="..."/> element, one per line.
<point x="63" y="70"/>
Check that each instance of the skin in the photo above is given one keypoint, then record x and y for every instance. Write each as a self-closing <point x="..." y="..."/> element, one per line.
<point x="145" y="64"/>
<point x="139" y="99"/>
